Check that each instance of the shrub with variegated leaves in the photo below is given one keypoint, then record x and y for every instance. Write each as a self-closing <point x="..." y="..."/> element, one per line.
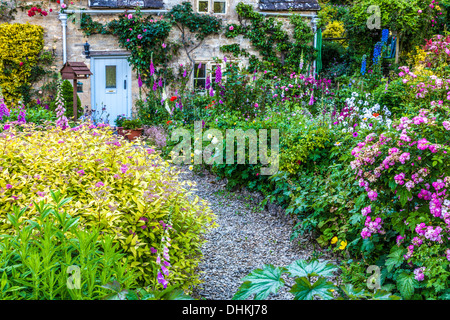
<point x="123" y="188"/>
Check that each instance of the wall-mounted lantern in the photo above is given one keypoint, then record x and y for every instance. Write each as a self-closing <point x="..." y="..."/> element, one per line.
<point x="86" y="50"/>
<point x="79" y="86"/>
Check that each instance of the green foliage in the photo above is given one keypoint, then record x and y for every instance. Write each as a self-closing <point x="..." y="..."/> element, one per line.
<point x="235" y="50"/>
<point x="89" y="26"/>
<point x="147" y="37"/>
<point x="304" y="290"/>
<point x="7" y="11"/>
<point x="263" y="282"/>
<point x="37" y="115"/>
<point x="406" y="284"/>
<point x="267" y="35"/>
<point x="36" y="256"/>
<point x="332" y="53"/>
<point x="121" y="189"/>
<point x="67" y="94"/>
<point x="302" y="268"/>
<point x="132" y="124"/>
<point x="119" y="293"/>
<point x="201" y="24"/>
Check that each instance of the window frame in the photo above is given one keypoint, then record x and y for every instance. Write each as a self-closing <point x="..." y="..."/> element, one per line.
<point x="209" y="73"/>
<point x="211" y="6"/>
<point x="194" y="77"/>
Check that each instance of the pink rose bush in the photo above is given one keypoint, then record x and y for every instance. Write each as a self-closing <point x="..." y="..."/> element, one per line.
<point x="405" y="173"/>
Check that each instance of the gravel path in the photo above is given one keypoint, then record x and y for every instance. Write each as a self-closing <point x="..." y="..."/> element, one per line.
<point x="248" y="236"/>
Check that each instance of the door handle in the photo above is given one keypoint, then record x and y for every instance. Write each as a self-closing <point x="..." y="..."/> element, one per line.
<point x="124" y="84"/>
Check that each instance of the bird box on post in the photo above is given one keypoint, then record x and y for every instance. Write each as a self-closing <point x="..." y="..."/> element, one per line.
<point x="75" y="71"/>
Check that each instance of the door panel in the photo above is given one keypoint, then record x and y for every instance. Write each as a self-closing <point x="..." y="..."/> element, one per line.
<point x="111" y="87"/>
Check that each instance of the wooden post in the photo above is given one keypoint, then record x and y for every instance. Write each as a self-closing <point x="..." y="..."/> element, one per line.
<point x="75" y="107"/>
<point x="397" y="49"/>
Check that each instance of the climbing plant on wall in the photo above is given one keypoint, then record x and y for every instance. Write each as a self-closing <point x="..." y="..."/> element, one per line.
<point x="269" y="37"/>
<point x="7" y="10"/>
<point x="192" y="25"/>
<point x="147" y="38"/>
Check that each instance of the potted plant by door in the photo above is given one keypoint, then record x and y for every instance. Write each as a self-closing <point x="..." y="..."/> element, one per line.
<point x="119" y="123"/>
<point x="132" y="128"/>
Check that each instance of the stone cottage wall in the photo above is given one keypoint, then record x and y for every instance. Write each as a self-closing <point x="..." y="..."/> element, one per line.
<point x="75" y="38"/>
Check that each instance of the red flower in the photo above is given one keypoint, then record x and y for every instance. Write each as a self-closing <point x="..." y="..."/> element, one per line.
<point x="169" y="122"/>
<point x="173" y="98"/>
<point x="58" y="2"/>
<point x="51" y="10"/>
<point x="376" y="114"/>
<point x="21" y="63"/>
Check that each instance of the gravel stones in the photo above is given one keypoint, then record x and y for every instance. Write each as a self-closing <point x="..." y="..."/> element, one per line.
<point x="248" y="236"/>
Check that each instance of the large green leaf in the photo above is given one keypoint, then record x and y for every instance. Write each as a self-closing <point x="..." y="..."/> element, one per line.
<point x="302" y="268"/>
<point x="395" y="259"/>
<point x="353" y="293"/>
<point x="261" y="283"/>
<point x="303" y="290"/>
<point x="406" y="284"/>
<point x="384" y="295"/>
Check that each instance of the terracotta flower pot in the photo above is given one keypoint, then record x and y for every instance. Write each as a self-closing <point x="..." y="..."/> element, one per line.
<point x="132" y="134"/>
<point x="120" y="130"/>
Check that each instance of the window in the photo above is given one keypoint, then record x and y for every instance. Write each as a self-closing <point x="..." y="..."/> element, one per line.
<point x="203" y="6"/>
<point x="110" y="72"/>
<point x="206" y="70"/>
<point x="200" y="76"/>
<point x="217" y="6"/>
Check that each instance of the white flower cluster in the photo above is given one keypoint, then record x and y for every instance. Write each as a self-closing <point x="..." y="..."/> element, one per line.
<point x="360" y="110"/>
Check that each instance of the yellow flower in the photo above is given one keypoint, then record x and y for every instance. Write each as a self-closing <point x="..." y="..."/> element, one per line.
<point x="334" y="240"/>
<point x="343" y="245"/>
<point x="191" y="167"/>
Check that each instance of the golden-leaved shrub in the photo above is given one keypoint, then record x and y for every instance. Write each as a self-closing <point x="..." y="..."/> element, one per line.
<point x="123" y="188"/>
<point x="20" y="45"/>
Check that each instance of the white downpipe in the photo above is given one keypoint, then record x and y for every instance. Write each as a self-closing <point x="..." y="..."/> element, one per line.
<point x="63" y="19"/>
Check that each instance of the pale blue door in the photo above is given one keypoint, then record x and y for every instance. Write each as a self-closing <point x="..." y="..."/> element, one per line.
<point x="111" y="84"/>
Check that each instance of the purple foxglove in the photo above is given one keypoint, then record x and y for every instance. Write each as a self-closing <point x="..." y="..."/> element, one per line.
<point x="218" y="74"/>
<point x="152" y="68"/>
